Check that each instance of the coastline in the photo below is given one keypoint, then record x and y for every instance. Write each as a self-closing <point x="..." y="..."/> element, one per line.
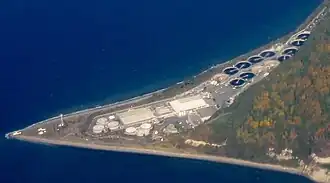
<point x="146" y="151"/>
<point x="199" y="78"/>
<point x="153" y="151"/>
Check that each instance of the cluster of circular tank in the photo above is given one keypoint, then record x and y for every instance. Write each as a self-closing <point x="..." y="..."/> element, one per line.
<point x="250" y="61"/>
<point x="297" y="41"/>
<point x="103" y="124"/>
<point x="286" y="54"/>
<point x="242" y="79"/>
<point x="142" y="130"/>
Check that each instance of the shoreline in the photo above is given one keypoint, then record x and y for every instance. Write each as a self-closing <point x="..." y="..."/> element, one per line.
<point x="210" y="70"/>
<point x="147" y="151"/>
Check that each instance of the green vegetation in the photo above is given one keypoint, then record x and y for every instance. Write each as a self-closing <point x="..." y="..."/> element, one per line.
<point x="288" y="109"/>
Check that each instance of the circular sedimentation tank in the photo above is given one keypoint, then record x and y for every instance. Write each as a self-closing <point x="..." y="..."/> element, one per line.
<point x="130" y="131"/>
<point x="113" y="125"/>
<point x="290" y="51"/>
<point x="303" y="35"/>
<point x="98" y="129"/>
<point x="247" y="75"/>
<point x="237" y="82"/>
<point x="255" y="59"/>
<point x="230" y="70"/>
<point x="283" y="58"/>
<point x="243" y="65"/>
<point x="267" y="53"/>
<point x="297" y="42"/>
<point x="102" y="121"/>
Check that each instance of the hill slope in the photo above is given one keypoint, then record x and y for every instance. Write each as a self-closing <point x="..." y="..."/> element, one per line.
<point x="290" y="108"/>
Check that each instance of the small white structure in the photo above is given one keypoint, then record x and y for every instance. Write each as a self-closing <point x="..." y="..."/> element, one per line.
<point x="111" y="117"/>
<point x="130" y="131"/>
<point x="213" y="82"/>
<point x="17" y="133"/>
<point x="102" y="121"/>
<point x="41" y="131"/>
<point x="113" y="125"/>
<point x="98" y="129"/>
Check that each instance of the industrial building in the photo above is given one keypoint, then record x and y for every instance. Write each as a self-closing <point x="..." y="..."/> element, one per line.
<point x="188" y="103"/>
<point x="134" y="116"/>
<point x="206" y="113"/>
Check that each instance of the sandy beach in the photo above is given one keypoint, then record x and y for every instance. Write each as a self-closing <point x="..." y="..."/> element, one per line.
<point x="162" y="153"/>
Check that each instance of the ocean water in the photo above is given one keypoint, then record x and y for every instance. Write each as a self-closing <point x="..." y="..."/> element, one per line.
<point x="60" y="56"/>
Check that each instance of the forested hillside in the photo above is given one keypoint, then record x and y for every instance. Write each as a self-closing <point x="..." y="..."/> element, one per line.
<point x="290" y="108"/>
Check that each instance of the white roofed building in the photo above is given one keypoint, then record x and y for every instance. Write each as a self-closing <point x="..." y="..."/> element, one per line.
<point x="188" y="103"/>
<point x="135" y="116"/>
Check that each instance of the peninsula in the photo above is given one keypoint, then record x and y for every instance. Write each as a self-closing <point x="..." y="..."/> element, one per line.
<point x="230" y="113"/>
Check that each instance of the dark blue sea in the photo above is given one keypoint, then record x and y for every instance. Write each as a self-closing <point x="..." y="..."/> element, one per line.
<point x="59" y="56"/>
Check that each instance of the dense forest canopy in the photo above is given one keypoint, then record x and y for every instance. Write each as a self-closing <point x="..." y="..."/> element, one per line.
<point x="288" y="109"/>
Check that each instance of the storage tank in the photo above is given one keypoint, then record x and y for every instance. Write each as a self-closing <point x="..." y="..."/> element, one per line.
<point x="146" y="126"/>
<point x="113" y="125"/>
<point x="130" y="131"/>
<point x="140" y="133"/>
<point x="102" y="121"/>
<point x="98" y="129"/>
